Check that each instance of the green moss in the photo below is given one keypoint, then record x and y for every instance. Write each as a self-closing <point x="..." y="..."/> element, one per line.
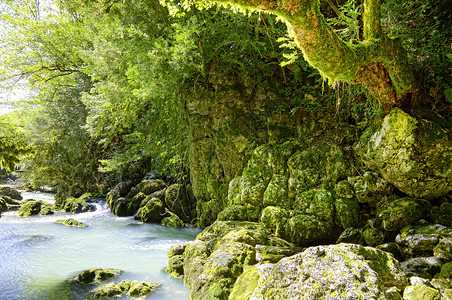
<point x="274" y="219"/>
<point x="245" y="284"/>
<point x="172" y="220"/>
<point x="96" y="274"/>
<point x="71" y="223"/>
<point x="276" y="192"/>
<point x="347" y="212"/>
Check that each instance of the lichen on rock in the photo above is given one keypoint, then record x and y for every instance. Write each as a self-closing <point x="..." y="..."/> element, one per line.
<point x="415" y="156"/>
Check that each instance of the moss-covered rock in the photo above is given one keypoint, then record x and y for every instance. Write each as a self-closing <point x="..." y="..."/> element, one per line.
<point x="239" y="213"/>
<point x="217" y="257"/>
<point x="77" y="205"/>
<point x="319" y="166"/>
<point x="341" y="271"/>
<point x="172" y="220"/>
<point x="402" y="212"/>
<point x="176" y="260"/>
<point x="351" y="235"/>
<point x="421" y="292"/>
<point x="443" y="249"/>
<point x="276" y="192"/>
<point x="149" y="186"/>
<point x="413" y="155"/>
<point x="442" y="214"/>
<point x="10" y="192"/>
<point x="131" y="288"/>
<point x="71" y="223"/>
<point x="96" y="275"/>
<point x="152" y="212"/>
<point x="347" y="212"/>
<point x="420" y="239"/>
<point x="424" y="267"/>
<point x="317" y="203"/>
<point x="370" y="187"/>
<point x="109" y="290"/>
<point x="32" y="207"/>
<point x="3" y="205"/>
<point x="305" y="230"/>
<point x="120" y="190"/>
<point x="274" y="219"/>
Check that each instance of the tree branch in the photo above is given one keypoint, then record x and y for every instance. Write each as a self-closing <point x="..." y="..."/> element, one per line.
<point x="378" y="63"/>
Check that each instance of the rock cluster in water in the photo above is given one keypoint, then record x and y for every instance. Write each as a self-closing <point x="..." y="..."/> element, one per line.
<point x="113" y="289"/>
<point x="152" y="201"/>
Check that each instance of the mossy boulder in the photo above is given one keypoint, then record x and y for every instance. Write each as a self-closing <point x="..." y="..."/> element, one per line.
<point x="172" y="220"/>
<point x="10" y="192"/>
<point x="443" y="249"/>
<point x="318" y="203"/>
<point x="347" y="212"/>
<point x="402" y="212"/>
<point x="218" y="256"/>
<point x="421" y="238"/>
<point x="442" y="214"/>
<point x="424" y="267"/>
<point x="120" y="190"/>
<point x="96" y="275"/>
<point x="370" y="187"/>
<point x="446" y="271"/>
<point x="34" y="207"/>
<point x="176" y="260"/>
<point x="124" y="206"/>
<point x="275" y="219"/>
<point x="413" y="155"/>
<point x="276" y="192"/>
<point x="149" y="186"/>
<point x="343" y="271"/>
<point x="421" y="292"/>
<point x="3" y="205"/>
<point x="319" y="166"/>
<point x="239" y="213"/>
<point x="152" y="212"/>
<point x="77" y="205"/>
<point x="71" y="223"/>
<point x="131" y="288"/>
<point x="305" y="230"/>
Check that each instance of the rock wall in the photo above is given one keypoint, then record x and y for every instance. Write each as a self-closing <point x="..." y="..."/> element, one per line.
<point x="273" y="183"/>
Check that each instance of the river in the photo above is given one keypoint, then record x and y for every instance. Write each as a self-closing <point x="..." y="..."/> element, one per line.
<point x="38" y="256"/>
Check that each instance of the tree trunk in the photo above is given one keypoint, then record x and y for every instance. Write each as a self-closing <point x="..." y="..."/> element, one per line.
<point x="378" y="63"/>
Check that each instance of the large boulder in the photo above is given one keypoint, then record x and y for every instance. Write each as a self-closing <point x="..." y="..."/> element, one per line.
<point x="402" y="212"/>
<point x="413" y="155"/>
<point x="34" y="207"/>
<point x="10" y="192"/>
<point x="120" y="190"/>
<point x="78" y="205"/>
<point x="344" y="271"/>
<point x="421" y="239"/>
<point x="96" y="275"/>
<point x="131" y="288"/>
<point x="217" y="257"/>
<point x="152" y="212"/>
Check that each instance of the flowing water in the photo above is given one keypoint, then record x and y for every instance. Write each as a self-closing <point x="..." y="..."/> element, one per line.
<point x="38" y="257"/>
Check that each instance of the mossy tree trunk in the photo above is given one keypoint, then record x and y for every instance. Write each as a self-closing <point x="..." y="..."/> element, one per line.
<point x="378" y="63"/>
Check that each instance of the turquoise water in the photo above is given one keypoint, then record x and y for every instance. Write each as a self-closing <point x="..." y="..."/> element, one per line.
<point x="38" y="256"/>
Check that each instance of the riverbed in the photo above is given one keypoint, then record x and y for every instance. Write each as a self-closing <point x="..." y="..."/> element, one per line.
<point x="38" y="257"/>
